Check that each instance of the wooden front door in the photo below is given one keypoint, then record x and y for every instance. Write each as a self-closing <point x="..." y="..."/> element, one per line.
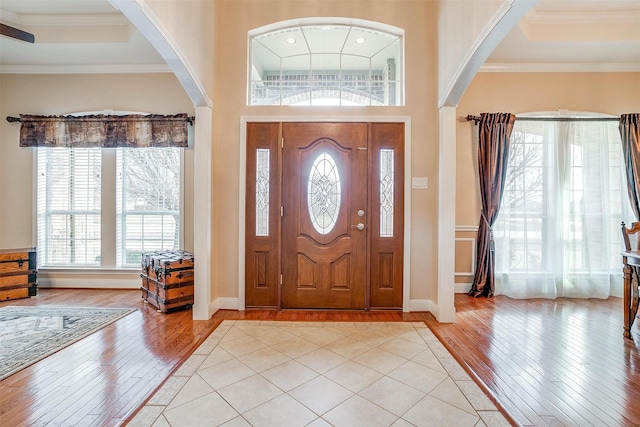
<point x="324" y="215"/>
<point x="324" y="248"/>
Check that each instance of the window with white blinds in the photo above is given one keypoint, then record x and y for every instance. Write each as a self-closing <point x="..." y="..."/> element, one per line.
<point x="148" y="205"/>
<point x="69" y="206"/>
<point x="77" y="195"/>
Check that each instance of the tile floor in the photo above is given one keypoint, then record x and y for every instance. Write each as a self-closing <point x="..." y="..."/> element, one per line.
<point x="256" y="373"/>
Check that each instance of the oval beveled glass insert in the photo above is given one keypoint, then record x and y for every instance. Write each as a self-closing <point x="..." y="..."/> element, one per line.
<point x="323" y="193"/>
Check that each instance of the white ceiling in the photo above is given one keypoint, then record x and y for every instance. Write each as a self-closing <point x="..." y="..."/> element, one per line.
<point x="573" y="35"/>
<point x="74" y="36"/>
<point x="90" y="36"/>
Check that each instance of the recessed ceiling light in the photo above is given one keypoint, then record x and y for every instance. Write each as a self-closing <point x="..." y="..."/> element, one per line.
<point x="291" y="40"/>
<point x="359" y="40"/>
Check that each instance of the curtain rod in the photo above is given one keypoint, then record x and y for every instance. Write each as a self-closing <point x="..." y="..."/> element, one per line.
<point x="10" y="119"/>
<point x="476" y="119"/>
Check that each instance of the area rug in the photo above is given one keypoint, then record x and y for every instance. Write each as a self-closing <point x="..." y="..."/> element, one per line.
<point x="29" y="334"/>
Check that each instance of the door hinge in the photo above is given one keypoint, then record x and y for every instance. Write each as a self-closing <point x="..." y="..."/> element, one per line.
<point x="281" y="280"/>
<point x="282" y="142"/>
<point x="281" y="211"/>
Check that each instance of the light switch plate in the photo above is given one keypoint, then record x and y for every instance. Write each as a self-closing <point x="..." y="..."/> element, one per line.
<point x="419" y="183"/>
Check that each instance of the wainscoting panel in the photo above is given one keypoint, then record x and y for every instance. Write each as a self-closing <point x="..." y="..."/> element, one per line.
<point x="465" y="258"/>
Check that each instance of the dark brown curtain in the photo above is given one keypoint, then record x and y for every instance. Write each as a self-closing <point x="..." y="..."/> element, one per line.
<point x="494" y="131"/>
<point x="630" y="133"/>
<point x="105" y="131"/>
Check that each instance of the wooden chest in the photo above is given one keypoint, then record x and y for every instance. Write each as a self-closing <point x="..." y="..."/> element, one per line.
<point x="163" y="263"/>
<point x="167" y="279"/>
<point x="18" y="273"/>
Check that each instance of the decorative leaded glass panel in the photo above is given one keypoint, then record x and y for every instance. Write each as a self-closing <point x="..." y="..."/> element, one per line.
<point x="262" y="192"/>
<point x="386" y="193"/>
<point x="323" y="193"/>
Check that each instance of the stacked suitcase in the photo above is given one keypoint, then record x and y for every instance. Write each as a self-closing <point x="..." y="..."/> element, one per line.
<point x="167" y="279"/>
<point x="18" y="273"/>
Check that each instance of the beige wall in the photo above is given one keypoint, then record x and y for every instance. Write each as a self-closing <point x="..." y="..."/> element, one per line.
<point x="234" y="20"/>
<point x="189" y="24"/>
<point x="62" y="94"/>
<point x="606" y="93"/>
<point x="461" y="25"/>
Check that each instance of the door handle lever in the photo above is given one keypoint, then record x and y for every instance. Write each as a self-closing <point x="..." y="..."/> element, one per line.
<point x="360" y="226"/>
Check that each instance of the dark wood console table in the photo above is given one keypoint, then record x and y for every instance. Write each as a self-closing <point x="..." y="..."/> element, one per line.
<point x="631" y="270"/>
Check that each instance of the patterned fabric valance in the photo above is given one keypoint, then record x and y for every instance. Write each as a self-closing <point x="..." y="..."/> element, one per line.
<point x="104" y="131"/>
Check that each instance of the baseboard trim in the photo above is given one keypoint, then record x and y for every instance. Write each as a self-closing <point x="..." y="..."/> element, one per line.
<point x="213" y="307"/>
<point x="431" y="307"/>
<point x="88" y="282"/>
<point x="421" y="305"/>
<point x="225" y="303"/>
<point x="462" y="288"/>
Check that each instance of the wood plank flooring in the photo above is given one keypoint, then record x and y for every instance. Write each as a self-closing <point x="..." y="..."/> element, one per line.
<point x="103" y="378"/>
<point x="547" y="363"/>
<point x="550" y="362"/>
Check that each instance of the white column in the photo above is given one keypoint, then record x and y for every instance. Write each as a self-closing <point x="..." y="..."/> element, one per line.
<point x="446" y="311"/>
<point x="202" y="197"/>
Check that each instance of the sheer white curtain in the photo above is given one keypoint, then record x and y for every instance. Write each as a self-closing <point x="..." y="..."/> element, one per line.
<point x="558" y="231"/>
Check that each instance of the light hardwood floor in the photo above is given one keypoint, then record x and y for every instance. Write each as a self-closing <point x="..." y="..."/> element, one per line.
<point x="560" y="362"/>
<point x="550" y="362"/>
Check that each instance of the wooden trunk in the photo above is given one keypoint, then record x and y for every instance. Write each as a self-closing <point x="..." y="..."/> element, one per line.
<point x="167" y="279"/>
<point x="167" y="299"/>
<point x="172" y="277"/>
<point x="18" y="273"/>
<point x="160" y="263"/>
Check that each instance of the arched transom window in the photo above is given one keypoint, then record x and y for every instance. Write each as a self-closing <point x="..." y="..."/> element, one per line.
<point x="324" y="61"/>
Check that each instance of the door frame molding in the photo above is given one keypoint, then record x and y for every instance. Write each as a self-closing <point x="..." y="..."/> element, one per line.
<point x="242" y="184"/>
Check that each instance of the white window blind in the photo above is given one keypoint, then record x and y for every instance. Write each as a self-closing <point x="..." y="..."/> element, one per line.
<point x="148" y="205"/>
<point x="69" y="202"/>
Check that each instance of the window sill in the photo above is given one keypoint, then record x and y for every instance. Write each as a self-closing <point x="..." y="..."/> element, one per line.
<point x="88" y="270"/>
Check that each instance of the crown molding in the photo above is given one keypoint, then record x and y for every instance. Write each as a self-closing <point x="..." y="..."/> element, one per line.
<point x="553" y="67"/>
<point x="44" y="20"/>
<point x="595" y="17"/>
<point x="75" y="20"/>
<point x="85" y="69"/>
